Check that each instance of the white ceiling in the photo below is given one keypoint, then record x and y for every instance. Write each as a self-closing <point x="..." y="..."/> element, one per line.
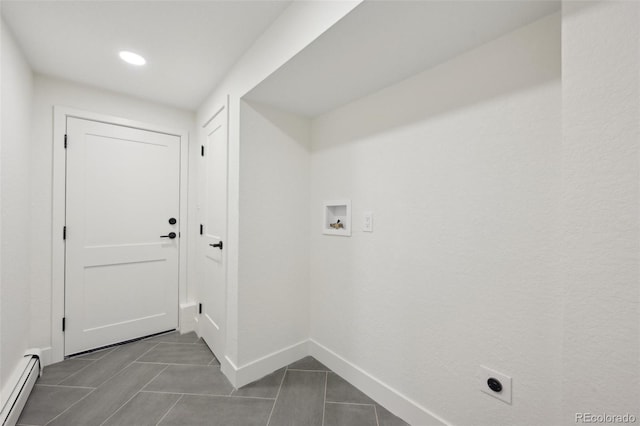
<point x="189" y="45"/>
<point x="382" y="42"/>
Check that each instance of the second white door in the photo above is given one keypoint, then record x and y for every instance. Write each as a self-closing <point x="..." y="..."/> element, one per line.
<point x="212" y="246"/>
<point x="121" y="242"/>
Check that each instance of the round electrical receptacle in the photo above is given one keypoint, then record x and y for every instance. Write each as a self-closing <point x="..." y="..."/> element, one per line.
<point x="494" y="384"/>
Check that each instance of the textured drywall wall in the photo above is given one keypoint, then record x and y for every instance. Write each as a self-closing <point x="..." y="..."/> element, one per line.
<point x="15" y="150"/>
<point x="49" y="92"/>
<point x="274" y="244"/>
<point x="601" y="132"/>
<point x="300" y="24"/>
<point x="460" y="166"/>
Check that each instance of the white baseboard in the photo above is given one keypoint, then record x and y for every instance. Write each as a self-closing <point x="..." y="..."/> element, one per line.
<point x="402" y="406"/>
<point x="230" y="370"/>
<point x="45" y="356"/>
<point x="188" y="312"/>
<point x="394" y="401"/>
<point x="259" y="368"/>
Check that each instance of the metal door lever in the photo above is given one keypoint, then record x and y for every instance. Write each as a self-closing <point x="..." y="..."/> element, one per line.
<point x="171" y="235"/>
<point x="219" y="245"/>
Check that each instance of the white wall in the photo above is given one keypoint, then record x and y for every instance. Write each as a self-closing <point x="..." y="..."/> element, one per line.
<point x="601" y="132"/>
<point x="15" y="152"/>
<point x="274" y="247"/>
<point x="460" y="165"/>
<point x="49" y="92"/>
<point x="297" y="26"/>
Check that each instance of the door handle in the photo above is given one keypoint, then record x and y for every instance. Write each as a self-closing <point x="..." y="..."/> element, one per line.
<point x="219" y="245"/>
<point x="171" y="235"/>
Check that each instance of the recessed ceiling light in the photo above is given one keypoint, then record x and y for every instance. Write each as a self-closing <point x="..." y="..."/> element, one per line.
<point x="132" y="58"/>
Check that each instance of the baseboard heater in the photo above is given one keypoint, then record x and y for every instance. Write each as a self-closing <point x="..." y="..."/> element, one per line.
<point x="31" y="368"/>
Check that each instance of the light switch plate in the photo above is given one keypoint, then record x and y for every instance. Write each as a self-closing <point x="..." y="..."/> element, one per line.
<point x="367" y="222"/>
<point x="485" y="373"/>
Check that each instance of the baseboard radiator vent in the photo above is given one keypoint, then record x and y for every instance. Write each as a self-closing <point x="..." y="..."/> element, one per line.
<point x="31" y="369"/>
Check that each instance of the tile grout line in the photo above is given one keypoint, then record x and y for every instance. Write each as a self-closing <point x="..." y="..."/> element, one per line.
<point x="76" y="372"/>
<point x="209" y="395"/>
<point x="351" y="403"/>
<point x="174" y="363"/>
<point x="71" y="406"/>
<point x="275" y="401"/>
<point x="66" y="386"/>
<point x="134" y="395"/>
<point x="324" y="402"/>
<point x="375" y="410"/>
<point x="131" y="363"/>
<point x="146" y="352"/>
<point x="169" y="410"/>
<point x="126" y="366"/>
<point x="310" y="371"/>
<point x="170" y="363"/>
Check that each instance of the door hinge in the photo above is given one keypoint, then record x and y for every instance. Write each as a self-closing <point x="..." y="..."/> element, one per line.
<point x="202" y="150"/>
<point x="64" y="323"/>
<point x="64" y="232"/>
<point x="201" y="229"/>
<point x="199" y="308"/>
<point x="65" y="141"/>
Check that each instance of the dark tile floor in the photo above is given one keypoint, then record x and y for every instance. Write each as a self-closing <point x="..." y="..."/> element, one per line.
<point x="174" y="379"/>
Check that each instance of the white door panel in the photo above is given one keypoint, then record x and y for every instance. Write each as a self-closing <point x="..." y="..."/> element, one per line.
<point x="121" y="276"/>
<point x="214" y="216"/>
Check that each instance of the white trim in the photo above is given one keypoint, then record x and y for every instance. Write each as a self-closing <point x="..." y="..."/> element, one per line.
<point x="57" y="244"/>
<point x="257" y="369"/>
<point x="188" y="312"/>
<point x="184" y="215"/>
<point x="60" y="115"/>
<point x="112" y="119"/>
<point x="215" y="114"/>
<point x="45" y="356"/>
<point x="230" y="370"/>
<point x="399" y="404"/>
<point x="233" y="214"/>
<point x="390" y="398"/>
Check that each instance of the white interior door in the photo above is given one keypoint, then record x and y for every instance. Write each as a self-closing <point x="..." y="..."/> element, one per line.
<point x="212" y="248"/>
<point x="121" y="279"/>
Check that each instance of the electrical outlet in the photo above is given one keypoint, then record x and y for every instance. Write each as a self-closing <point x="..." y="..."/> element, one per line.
<point x="496" y="384"/>
<point x="367" y="222"/>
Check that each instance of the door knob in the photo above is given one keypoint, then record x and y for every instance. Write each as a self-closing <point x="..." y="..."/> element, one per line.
<point x="171" y="235"/>
<point x="219" y="245"/>
<point x="172" y="221"/>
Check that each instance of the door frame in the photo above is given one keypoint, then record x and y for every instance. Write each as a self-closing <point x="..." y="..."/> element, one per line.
<point x="59" y="174"/>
